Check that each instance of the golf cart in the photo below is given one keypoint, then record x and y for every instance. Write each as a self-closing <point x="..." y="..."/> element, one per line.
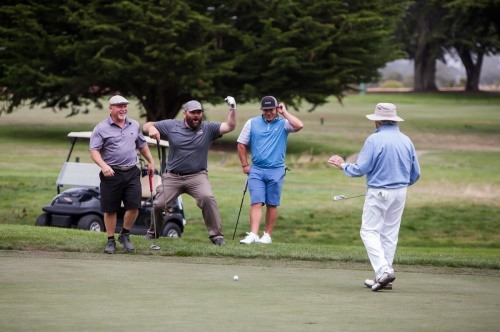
<point x="79" y="206"/>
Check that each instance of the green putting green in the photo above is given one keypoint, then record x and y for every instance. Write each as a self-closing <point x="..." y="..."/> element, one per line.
<point x="91" y="292"/>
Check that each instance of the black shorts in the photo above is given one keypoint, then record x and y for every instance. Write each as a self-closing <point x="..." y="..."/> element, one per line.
<point x="123" y="186"/>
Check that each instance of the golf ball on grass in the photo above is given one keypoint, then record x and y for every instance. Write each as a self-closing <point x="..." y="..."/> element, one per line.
<point x="235" y="278"/>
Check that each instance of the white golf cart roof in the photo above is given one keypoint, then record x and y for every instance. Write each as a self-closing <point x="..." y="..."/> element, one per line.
<point x="86" y="134"/>
<point x="86" y="175"/>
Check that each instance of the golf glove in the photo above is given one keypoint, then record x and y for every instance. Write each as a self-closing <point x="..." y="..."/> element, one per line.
<point x="384" y="194"/>
<point x="230" y="102"/>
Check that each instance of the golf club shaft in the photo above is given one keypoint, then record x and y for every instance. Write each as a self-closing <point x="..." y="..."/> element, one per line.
<point x="159" y="155"/>
<point x="342" y="197"/>
<point x="241" y="205"/>
<point x="153" y="219"/>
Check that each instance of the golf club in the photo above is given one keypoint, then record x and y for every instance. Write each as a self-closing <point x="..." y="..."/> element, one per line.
<point x="153" y="246"/>
<point x="342" y="197"/>
<point x="242" y="199"/>
<point x="241" y="205"/>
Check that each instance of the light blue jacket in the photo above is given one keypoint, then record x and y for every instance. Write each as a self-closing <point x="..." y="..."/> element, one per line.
<point x="388" y="159"/>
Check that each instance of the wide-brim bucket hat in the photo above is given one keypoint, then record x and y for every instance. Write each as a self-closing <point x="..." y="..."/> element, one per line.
<point x="384" y="111"/>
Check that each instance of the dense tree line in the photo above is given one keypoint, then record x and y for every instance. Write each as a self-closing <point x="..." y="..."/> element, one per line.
<point x="70" y="53"/>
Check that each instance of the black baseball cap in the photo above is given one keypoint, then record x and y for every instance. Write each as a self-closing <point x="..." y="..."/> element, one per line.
<point x="268" y="102"/>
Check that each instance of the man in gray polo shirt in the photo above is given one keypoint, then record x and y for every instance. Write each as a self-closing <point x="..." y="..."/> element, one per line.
<point x="113" y="146"/>
<point x="186" y="169"/>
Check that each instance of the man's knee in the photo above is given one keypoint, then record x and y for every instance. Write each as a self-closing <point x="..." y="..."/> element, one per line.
<point x="206" y="200"/>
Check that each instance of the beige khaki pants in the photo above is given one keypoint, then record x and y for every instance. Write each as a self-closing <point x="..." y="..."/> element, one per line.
<point x="196" y="185"/>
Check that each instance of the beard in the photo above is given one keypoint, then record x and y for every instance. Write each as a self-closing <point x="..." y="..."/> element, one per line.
<point x="193" y="123"/>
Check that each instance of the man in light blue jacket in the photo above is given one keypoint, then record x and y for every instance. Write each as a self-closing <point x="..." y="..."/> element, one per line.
<point x="389" y="161"/>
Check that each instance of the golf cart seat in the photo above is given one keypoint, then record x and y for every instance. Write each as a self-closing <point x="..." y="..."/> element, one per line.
<point x="146" y="191"/>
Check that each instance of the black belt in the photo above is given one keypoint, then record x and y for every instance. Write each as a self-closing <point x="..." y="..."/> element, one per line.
<point x="123" y="169"/>
<point x="183" y="174"/>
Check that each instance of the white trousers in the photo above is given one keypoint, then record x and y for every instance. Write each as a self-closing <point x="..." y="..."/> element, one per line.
<point x="381" y="219"/>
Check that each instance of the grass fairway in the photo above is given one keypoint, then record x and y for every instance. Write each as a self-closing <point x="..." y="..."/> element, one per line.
<point x="310" y="278"/>
<point x="41" y="291"/>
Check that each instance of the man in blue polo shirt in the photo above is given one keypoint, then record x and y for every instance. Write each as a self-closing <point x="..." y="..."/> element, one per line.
<point x="389" y="161"/>
<point x="266" y="135"/>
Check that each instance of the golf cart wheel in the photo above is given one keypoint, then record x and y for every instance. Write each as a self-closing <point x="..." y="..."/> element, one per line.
<point x="43" y="220"/>
<point x="171" y="229"/>
<point x="91" y="223"/>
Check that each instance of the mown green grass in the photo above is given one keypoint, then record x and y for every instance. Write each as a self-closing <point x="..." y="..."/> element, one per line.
<point x="32" y="238"/>
<point x="452" y="211"/>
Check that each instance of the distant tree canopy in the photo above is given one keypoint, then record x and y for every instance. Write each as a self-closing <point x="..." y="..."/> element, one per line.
<point x="430" y="28"/>
<point x="70" y="53"/>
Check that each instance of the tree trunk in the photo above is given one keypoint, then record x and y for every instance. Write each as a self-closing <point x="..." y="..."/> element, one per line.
<point x="472" y="70"/>
<point x="425" y="73"/>
<point x="425" y="59"/>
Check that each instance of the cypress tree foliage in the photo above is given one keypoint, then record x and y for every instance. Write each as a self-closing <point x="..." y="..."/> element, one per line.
<point x="422" y="32"/>
<point x="474" y="32"/>
<point x="466" y="28"/>
<point x="69" y="53"/>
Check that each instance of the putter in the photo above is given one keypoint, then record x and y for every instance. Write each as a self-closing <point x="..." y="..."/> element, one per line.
<point x="342" y="197"/>
<point x="241" y="205"/>
<point x="153" y="246"/>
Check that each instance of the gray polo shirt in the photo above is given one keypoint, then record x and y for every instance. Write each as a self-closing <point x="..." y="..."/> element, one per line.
<point x="118" y="145"/>
<point x="188" y="148"/>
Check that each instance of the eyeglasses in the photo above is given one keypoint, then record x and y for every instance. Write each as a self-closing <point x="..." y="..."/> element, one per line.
<point x="268" y="110"/>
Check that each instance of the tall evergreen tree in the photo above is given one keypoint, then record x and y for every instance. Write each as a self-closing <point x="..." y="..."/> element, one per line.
<point x="474" y="32"/>
<point x="431" y="28"/>
<point x="421" y="31"/>
<point x="69" y="53"/>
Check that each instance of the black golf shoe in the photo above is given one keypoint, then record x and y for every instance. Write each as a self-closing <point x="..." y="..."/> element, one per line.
<point x="219" y="241"/>
<point x="125" y="240"/>
<point x="110" y="247"/>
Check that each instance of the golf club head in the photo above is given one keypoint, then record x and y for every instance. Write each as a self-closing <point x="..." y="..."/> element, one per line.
<point x="339" y="197"/>
<point x="154" y="247"/>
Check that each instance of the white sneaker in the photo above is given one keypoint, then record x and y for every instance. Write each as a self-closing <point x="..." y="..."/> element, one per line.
<point x="250" y="238"/>
<point x="385" y="279"/>
<point x="370" y="282"/>
<point x="266" y="238"/>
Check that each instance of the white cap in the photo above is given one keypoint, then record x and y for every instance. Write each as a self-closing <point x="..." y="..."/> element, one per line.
<point x="117" y="100"/>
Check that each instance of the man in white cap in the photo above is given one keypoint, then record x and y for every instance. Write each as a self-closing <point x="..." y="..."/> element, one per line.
<point x="113" y="146"/>
<point x="389" y="161"/>
<point x="186" y="169"/>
